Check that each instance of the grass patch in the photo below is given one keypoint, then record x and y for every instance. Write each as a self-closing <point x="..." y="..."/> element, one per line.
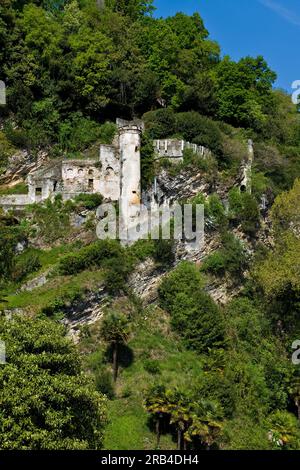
<point x="20" y="188"/>
<point x="57" y="291"/>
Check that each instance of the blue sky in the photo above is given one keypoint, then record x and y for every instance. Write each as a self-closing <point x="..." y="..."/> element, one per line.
<point x="250" y="27"/>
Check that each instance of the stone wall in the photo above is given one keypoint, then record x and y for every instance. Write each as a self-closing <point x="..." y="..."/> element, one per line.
<point x="80" y="176"/>
<point x="174" y="149"/>
<point x="110" y="172"/>
<point x="15" y="201"/>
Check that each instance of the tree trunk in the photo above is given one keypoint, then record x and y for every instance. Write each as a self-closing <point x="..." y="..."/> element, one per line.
<point x="115" y="361"/>
<point x="184" y="444"/>
<point x="158" y="432"/>
<point x="179" y="439"/>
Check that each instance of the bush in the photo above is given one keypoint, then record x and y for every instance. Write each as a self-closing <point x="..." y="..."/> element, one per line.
<point x="160" y="123"/>
<point x="26" y="264"/>
<point x="194" y="160"/>
<point x="198" y="320"/>
<point x="244" y="210"/>
<point x="78" y="132"/>
<point x="117" y="270"/>
<point x="97" y="254"/>
<point x="147" y="161"/>
<point x="164" y="252"/>
<point x="6" y="150"/>
<point x="104" y="383"/>
<point x="216" y="211"/>
<point x="230" y="258"/>
<point x="51" y="218"/>
<point x="89" y="201"/>
<point x="152" y="366"/>
<point x="184" y="279"/>
<point x="215" y="263"/>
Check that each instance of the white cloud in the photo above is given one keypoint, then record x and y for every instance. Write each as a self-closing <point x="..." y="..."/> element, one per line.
<point x="285" y="13"/>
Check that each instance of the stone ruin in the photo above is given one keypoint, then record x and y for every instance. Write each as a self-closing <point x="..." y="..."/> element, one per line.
<point x="115" y="174"/>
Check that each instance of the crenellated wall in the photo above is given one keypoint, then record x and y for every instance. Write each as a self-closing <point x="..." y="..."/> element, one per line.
<point x="174" y="149"/>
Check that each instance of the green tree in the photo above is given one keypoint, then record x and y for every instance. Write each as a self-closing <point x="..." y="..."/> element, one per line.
<point x="194" y="315"/>
<point x="156" y="403"/>
<point x="46" y="401"/>
<point x="244" y="89"/>
<point x="115" y="330"/>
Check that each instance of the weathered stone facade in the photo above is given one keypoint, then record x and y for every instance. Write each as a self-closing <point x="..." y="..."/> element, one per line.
<point x="115" y="174"/>
<point x="173" y="149"/>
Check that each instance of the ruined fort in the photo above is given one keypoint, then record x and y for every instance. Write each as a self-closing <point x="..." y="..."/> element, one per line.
<point x="115" y="174"/>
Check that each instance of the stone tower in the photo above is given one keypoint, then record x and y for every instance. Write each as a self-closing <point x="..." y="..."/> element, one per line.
<point x="130" y="181"/>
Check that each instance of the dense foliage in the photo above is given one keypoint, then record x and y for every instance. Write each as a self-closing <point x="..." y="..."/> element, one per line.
<point x="46" y="402"/>
<point x="191" y="370"/>
<point x="73" y="64"/>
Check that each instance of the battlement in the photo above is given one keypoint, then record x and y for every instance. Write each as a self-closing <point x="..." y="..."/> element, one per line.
<point x="174" y="149"/>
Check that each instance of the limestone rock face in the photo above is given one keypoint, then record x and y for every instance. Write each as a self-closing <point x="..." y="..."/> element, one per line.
<point x="145" y="280"/>
<point x="22" y="163"/>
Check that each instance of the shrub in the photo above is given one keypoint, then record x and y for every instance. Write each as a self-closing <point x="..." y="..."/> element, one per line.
<point x="152" y="366"/>
<point x="190" y="158"/>
<point x="51" y="218"/>
<point x="26" y="264"/>
<point x="96" y="254"/>
<point x="164" y="252"/>
<point x="215" y="263"/>
<point x="200" y="130"/>
<point x="230" y="258"/>
<point x="89" y="201"/>
<point x="160" y="123"/>
<point x="142" y="249"/>
<point x="104" y="383"/>
<point x="184" y="279"/>
<point x="244" y="210"/>
<point x="117" y="270"/>
<point x="78" y="132"/>
<point x="147" y="161"/>
<point x="216" y="211"/>
<point x="6" y="150"/>
<point x="233" y="152"/>
<point x="250" y="214"/>
<point x="198" y="320"/>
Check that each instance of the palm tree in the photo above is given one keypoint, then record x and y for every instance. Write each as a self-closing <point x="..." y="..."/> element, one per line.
<point x="115" y="330"/>
<point x="206" y="423"/>
<point x="157" y="404"/>
<point x="283" y="430"/>
<point x="180" y="409"/>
